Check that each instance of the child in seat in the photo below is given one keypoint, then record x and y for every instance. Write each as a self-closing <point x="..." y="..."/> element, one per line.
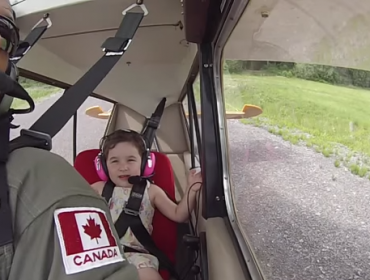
<point x="123" y="152"/>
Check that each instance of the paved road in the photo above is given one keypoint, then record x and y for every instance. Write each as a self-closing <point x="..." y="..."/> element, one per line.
<point x="305" y="218"/>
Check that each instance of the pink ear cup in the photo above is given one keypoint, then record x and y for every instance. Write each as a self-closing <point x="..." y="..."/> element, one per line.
<point x="149" y="168"/>
<point x="100" y="170"/>
<point x="150" y="164"/>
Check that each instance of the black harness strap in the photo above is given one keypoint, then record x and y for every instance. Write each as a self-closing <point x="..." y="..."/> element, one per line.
<point x="33" y="139"/>
<point x="54" y="119"/>
<point x="162" y="265"/>
<point x="153" y="122"/>
<point x="108" y="190"/>
<point x="130" y="218"/>
<point x="31" y="39"/>
<point x="146" y="240"/>
<point x="27" y="139"/>
<point x="10" y="87"/>
<point x="6" y="232"/>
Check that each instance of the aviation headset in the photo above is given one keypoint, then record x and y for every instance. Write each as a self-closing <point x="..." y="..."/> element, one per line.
<point x="9" y="40"/>
<point x="10" y="88"/>
<point x="6" y="100"/>
<point x="100" y="163"/>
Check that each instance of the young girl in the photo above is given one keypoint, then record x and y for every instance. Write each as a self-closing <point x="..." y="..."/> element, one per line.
<point x="123" y="153"/>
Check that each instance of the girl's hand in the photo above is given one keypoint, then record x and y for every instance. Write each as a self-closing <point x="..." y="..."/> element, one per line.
<point x="195" y="181"/>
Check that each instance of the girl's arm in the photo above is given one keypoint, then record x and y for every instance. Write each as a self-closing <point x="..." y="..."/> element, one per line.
<point x="178" y="213"/>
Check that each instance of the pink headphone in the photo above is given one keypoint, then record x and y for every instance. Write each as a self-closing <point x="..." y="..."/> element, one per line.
<point x="100" y="161"/>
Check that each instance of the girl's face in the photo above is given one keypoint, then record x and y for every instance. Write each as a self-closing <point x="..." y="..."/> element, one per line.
<point x="123" y="161"/>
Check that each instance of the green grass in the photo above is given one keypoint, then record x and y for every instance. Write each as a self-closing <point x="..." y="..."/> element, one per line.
<point x="37" y="92"/>
<point x="331" y="114"/>
<point x="318" y="115"/>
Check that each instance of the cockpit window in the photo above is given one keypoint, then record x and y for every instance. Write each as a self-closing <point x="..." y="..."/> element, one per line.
<point x="82" y="132"/>
<point x="300" y="169"/>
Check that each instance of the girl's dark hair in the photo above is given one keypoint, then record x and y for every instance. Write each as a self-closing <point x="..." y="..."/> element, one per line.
<point x="121" y="136"/>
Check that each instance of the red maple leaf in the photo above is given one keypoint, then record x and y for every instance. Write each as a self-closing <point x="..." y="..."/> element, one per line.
<point x="92" y="229"/>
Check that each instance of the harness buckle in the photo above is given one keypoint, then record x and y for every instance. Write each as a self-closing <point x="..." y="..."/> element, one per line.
<point x="27" y="47"/>
<point x="153" y="122"/>
<point x="113" y="46"/>
<point x="129" y="211"/>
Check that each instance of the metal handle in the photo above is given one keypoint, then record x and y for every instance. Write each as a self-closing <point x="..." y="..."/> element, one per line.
<point x="137" y="4"/>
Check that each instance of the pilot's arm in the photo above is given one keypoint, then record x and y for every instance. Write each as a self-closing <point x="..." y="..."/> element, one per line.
<point x="62" y="228"/>
<point x="73" y="242"/>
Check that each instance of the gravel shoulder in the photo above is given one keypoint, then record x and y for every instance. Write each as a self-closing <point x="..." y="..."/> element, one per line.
<point x="306" y="219"/>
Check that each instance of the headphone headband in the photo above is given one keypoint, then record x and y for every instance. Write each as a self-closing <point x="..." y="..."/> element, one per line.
<point x="129" y="131"/>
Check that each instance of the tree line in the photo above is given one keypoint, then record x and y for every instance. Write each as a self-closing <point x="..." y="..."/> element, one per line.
<point x="313" y="72"/>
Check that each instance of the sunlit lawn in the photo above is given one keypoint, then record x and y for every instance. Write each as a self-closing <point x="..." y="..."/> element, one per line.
<point x="329" y="114"/>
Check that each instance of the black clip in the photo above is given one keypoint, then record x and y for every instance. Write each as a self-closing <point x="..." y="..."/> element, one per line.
<point x="47" y="144"/>
<point x="129" y="211"/>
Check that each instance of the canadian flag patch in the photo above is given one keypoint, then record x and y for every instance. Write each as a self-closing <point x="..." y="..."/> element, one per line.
<point x="86" y="239"/>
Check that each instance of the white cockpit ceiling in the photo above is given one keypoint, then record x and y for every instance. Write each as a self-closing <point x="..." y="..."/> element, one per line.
<point x="329" y="32"/>
<point x="156" y="64"/>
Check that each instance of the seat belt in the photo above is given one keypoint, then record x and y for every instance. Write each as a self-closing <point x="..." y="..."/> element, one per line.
<point x="6" y="232"/>
<point x="54" y="119"/>
<point x="10" y="87"/>
<point x="31" y="39"/>
<point x="153" y="122"/>
<point x="129" y="217"/>
<point x="28" y="140"/>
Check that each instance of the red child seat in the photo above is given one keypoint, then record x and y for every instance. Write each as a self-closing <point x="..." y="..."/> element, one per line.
<point x="164" y="230"/>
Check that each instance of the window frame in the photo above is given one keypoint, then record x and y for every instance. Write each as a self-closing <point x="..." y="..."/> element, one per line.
<point x="192" y="124"/>
<point x="243" y="245"/>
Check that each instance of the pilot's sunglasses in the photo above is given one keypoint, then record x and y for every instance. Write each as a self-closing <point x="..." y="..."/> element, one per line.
<point x="5" y="45"/>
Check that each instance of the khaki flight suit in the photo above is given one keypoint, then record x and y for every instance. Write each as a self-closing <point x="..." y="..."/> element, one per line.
<point x="41" y="182"/>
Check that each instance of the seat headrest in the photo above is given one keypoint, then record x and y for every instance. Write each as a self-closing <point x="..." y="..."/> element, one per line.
<point x="84" y="164"/>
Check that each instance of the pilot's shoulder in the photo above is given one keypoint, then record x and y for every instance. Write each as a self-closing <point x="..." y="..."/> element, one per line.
<point x="30" y="156"/>
<point x="45" y="176"/>
<point x="34" y="158"/>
